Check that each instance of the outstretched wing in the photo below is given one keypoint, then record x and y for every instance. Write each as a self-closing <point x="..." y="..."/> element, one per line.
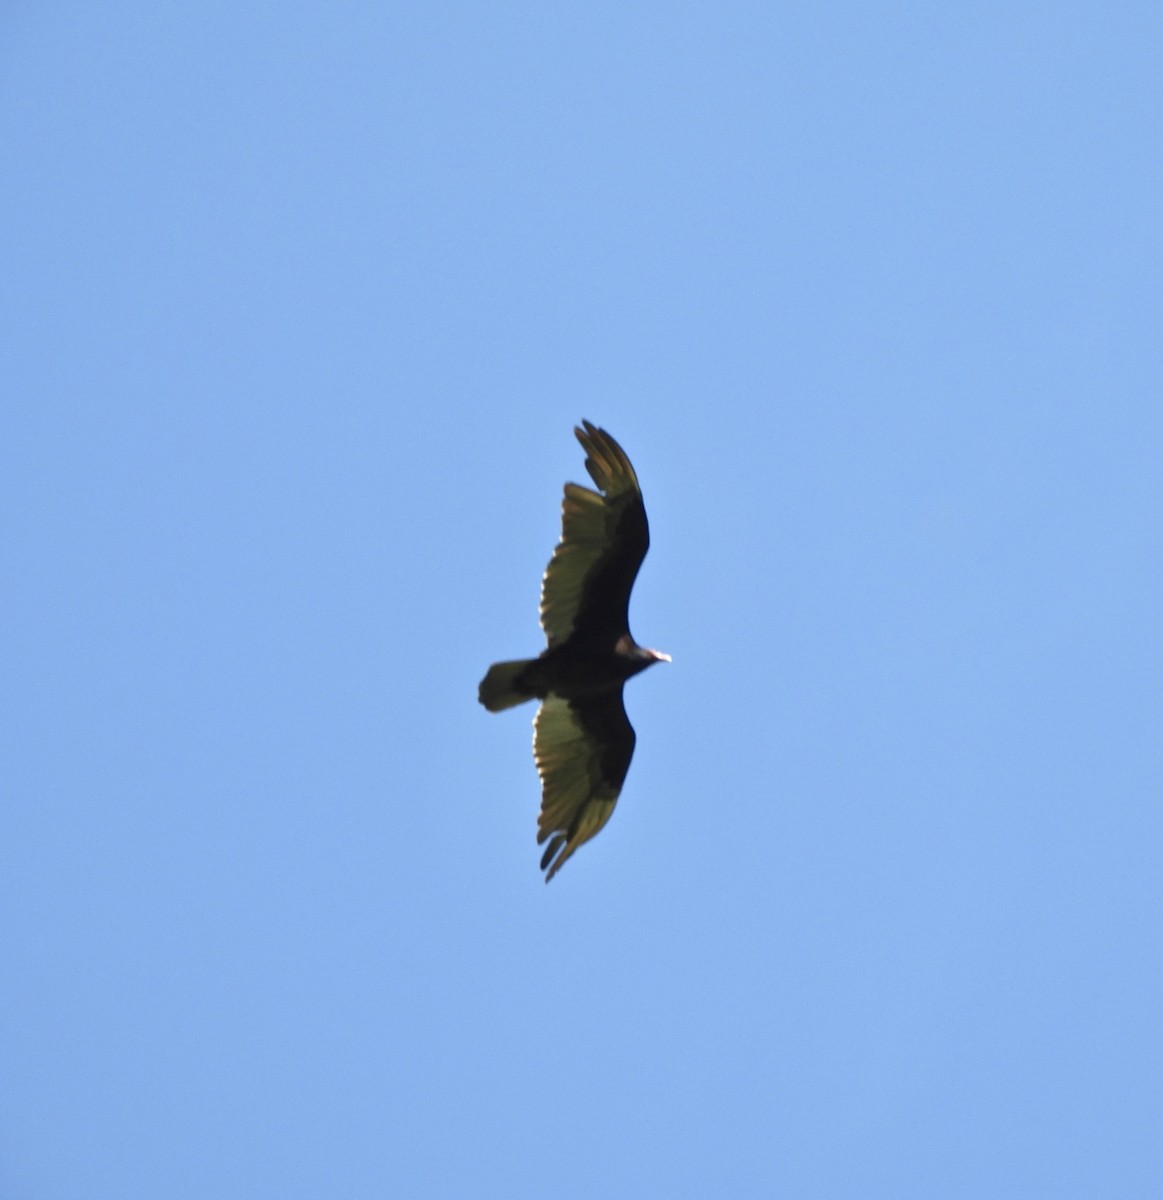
<point x="583" y="750"/>
<point x="604" y="538"/>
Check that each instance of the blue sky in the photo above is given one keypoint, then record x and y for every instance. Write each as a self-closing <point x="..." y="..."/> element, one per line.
<point x="300" y="306"/>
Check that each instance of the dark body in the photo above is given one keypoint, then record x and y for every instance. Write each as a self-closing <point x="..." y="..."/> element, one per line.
<point x="584" y="668"/>
<point x="583" y="740"/>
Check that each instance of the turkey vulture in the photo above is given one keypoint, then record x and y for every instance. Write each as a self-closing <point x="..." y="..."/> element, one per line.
<point x="582" y="740"/>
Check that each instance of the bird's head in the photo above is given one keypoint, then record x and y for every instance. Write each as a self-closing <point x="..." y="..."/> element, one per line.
<point x="638" y="656"/>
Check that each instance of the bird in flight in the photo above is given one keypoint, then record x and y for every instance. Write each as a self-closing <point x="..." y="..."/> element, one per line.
<point x="582" y="739"/>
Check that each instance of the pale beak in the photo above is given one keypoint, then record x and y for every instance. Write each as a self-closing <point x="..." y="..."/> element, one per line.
<point x="660" y="656"/>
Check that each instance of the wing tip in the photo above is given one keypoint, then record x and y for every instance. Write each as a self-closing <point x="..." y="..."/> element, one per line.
<point x="555" y="844"/>
<point x="608" y="464"/>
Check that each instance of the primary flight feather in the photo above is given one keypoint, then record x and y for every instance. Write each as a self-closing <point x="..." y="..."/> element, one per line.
<point x="582" y="739"/>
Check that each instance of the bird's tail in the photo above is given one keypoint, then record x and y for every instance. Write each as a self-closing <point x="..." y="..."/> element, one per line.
<point x="501" y="687"/>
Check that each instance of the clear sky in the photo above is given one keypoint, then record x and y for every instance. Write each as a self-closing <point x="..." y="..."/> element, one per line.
<point x="299" y="305"/>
